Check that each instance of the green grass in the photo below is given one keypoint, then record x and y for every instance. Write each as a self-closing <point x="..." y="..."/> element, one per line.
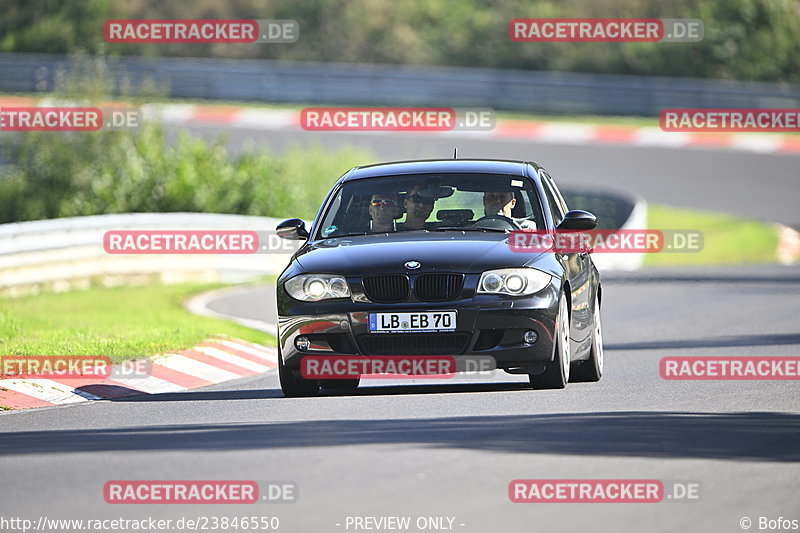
<point x="726" y="239"/>
<point x="122" y="322"/>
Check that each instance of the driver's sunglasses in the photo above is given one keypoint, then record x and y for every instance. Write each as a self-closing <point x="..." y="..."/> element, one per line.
<point x="418" y="198"/>
<point x="384" y="203"/>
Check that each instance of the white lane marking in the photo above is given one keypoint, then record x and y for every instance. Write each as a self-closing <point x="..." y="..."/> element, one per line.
<point x="232" y="359"/>
<point x="150" y="384"/>
<point x="756" y="143"/>
<point x="198" y="369"/>
<point x="659" y="137"/>
<point x="267" y="119"/>
<point x="566" y="133"/>
<point x="199" y="306"/>
<point x="257" y="348"/>
<point x="179" y="113"/>
<point x="464" y="133"/>
<point x="268" y="355"/>
<point x="47" y="390"/>
<point x="788" y="245"/>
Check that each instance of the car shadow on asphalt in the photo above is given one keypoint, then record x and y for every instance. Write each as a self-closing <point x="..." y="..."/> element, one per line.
<point x="364" y="390"/>
<point x="745" y="436"/>
<point x="773" y="339"/>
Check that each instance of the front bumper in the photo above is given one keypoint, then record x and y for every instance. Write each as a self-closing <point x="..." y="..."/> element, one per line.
<point x="487" y="325"/>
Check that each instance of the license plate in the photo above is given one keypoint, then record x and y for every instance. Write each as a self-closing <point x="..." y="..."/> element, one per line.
<point x="417" y="321"/>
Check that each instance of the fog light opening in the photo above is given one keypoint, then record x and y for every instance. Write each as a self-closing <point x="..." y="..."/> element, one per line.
<point x="302" y="343"/>
<point x="530" y="337"/>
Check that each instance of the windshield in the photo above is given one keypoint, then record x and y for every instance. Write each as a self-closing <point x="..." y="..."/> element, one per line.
<point x="433" y="202"/>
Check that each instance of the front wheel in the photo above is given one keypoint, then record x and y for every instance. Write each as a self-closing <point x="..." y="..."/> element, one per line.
<point x="293" y="386"/>
<point x="592" y="369"/>
<point x="556" y="373"/>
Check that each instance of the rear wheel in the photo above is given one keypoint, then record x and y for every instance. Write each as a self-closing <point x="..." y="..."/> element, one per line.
<point x="556" y="373"/>
<point x="592" y="369"/>
<point x="293" y="386"/>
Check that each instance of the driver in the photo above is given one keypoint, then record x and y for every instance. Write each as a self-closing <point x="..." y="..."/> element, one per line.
<point x="501" y="203"/>
<point x="498" y="203"/>
<point x="384" y="208"/>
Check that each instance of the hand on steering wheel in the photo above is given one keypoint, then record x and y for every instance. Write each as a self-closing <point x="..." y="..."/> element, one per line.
<point x="496" y="221"/>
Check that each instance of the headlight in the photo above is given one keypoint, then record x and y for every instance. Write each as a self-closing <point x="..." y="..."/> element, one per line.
<point x="315" y="287"/>
<point x="513" y="281"/>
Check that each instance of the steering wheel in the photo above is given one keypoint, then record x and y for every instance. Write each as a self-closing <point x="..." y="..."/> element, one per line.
<point x="496" y="222"/>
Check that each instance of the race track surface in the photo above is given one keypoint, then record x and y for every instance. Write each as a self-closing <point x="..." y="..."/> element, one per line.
<point x="404" y="448"/>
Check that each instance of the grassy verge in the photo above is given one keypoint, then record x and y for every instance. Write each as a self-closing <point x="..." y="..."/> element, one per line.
<point x="121" y="322"/>
<point x="726" y="239"/>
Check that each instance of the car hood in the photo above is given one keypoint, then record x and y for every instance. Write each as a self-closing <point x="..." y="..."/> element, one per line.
<point x="435" y="251"/>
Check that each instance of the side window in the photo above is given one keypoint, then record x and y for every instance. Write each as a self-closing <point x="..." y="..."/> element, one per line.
<point x="555" y="207"/>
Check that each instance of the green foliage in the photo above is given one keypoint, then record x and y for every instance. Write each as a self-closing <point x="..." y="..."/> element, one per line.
<point x="744" y="39"/>
<point x="91" y="173"/>
<point x="51" y="26"/>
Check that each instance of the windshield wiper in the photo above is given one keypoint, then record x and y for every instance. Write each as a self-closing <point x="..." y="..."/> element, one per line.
<point x="345" y="235"/>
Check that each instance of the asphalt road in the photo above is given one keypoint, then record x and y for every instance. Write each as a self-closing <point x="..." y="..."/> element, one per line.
<point x="451" y="448"/>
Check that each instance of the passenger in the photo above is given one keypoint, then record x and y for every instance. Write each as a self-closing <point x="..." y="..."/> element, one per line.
<point x="384" y="208"/>
<point x="418" y="208"/>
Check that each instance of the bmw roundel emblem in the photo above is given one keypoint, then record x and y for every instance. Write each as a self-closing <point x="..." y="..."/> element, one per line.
<point x="412" y="264"/>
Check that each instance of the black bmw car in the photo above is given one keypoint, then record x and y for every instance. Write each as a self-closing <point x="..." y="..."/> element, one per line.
<point x="413" y="259"/>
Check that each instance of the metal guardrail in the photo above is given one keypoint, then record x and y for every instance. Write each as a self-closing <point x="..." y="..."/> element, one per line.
<point x="403" y="85"/>
<point x="68" y="252"/>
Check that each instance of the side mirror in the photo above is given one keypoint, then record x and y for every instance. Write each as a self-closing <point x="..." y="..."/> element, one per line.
<point x="293" y="229"/>
<point x="578" y="220"/>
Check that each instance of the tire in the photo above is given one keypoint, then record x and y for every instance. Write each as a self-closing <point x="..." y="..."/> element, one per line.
<point x="556" y="373"/>
<point x="295" y="387"/>
<point x="591" y="370"/>
<point x="339" y="384"/>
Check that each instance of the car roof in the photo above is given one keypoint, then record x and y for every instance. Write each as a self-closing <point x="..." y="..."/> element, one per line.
<point x="488" y="166"/>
